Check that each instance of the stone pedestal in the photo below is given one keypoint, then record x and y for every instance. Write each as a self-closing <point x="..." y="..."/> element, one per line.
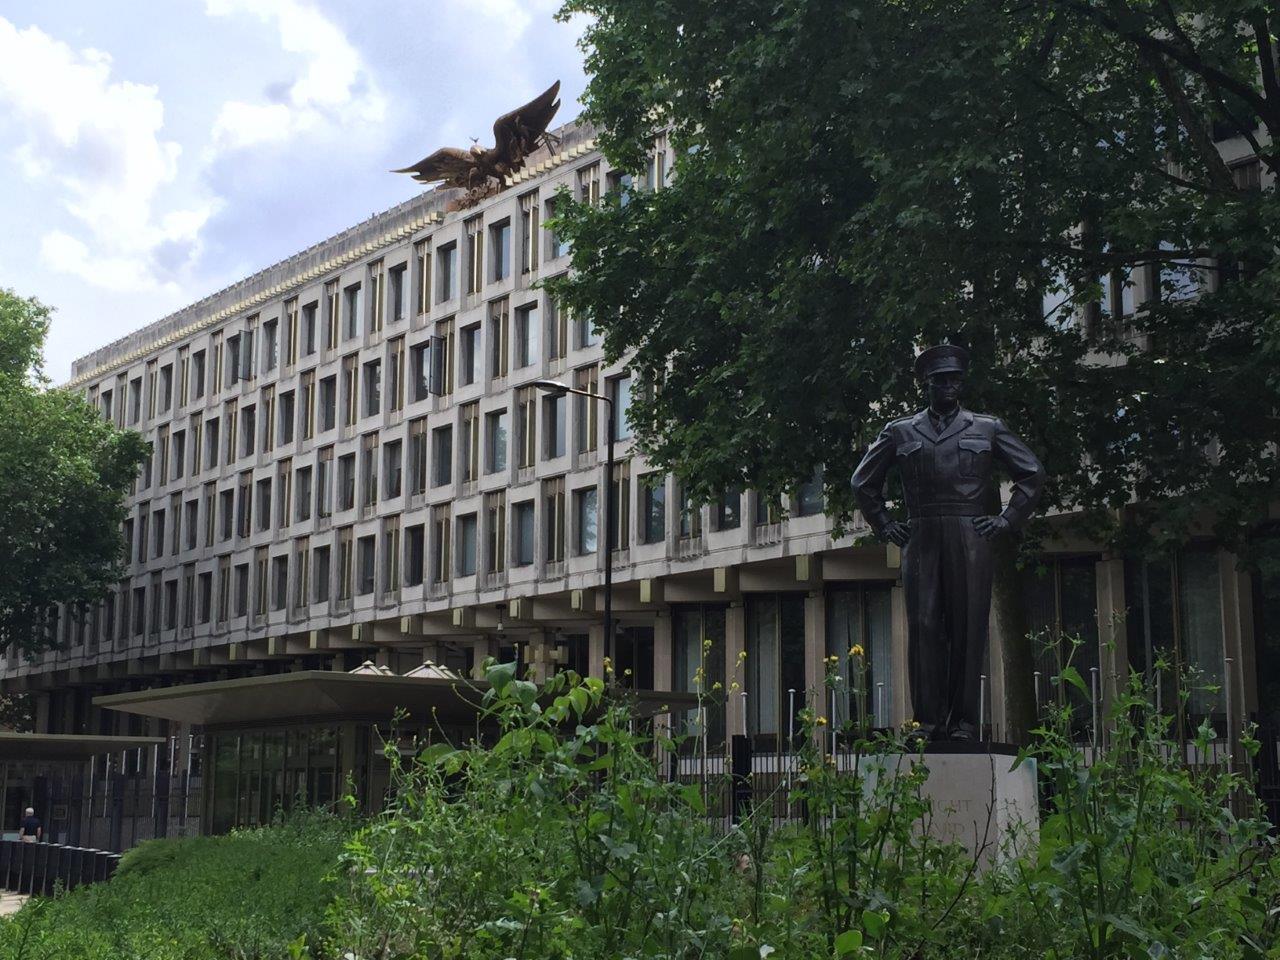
<point x="979" y="801"/>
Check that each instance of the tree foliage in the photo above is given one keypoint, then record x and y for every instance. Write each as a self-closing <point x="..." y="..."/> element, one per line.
<point x="64" y="471"/>
<point x="856" y="178"/>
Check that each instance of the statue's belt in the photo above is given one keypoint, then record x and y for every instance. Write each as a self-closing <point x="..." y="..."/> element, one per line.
<point x="947" y="510"/>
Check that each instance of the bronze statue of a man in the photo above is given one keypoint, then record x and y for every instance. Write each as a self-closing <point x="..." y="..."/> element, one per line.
<point x="945" y="456"/>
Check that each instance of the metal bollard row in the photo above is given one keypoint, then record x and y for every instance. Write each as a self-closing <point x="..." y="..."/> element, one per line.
<point x="41" y="868"/>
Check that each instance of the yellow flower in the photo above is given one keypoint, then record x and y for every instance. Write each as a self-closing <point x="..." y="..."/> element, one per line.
<point x="915" y="724"/>
<point x="608" y="665"/>
<point x="822" y="721"/>
<point x="742" y="656"/>
<point x="856" y="650"/>
<point x="833" y="659"/>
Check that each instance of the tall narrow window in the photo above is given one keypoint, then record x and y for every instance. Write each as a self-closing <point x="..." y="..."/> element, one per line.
<point x="369" y="470"/>
<point x="620" y="532"/>
<point x="470" y="439"/>
<point x="499" y="338"/>
<point x="352" y="307"/>
<point x="620" y="394"/>
<point x="270" y="345"/>
<point x="418" y="456"/>
<point x="653" y="500"/>
<point x="526" y="427"/>
<point x="528" y="330"/>
<point x="415" y="555"/>
<point x="553" y="519"/>
<point x="395" y="375"/>
<point x="500" y="249"/>
<point x="529" y="232"/>
<point x="324" y="483"/>
<point x="367" y="564"/>
<point x="393" y="457"/>
<point x="350" y="389"/>
<point x="774" y="665"/>
<point x="373" y="388"/>
<point x="557" y="330"/>
<point x="346" y="562"/>
<point x="471" y="354"/>
<point x="495" y="441"/>
<point x="391" y="555"/>
<point x="495" y="509"/>
<point x="422" y="276"/>
<point x="553" y="426"/>
<point x="442" y="456"/>
<point x="475" y="254"/>
<point x="377" y="306"/>
<point x="522" y="532"/>
<point x="585" y="518"/>
<point x="331" y="315"/>
<point x="588" y="410"/>
<point x="291" y="331"/>
<point x="466" y="549"/>
<point x="441" y="543"/>
<point x="446" y="272"/>
<point x="309" y="328"/>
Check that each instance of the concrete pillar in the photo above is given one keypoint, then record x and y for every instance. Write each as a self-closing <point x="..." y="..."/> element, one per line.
<point x="41" y="712"/>
<point x="484" y="648"/>
<point x="901" y="689"/>
<point x="663" y="652"/>
<point x="1113" y="640"/>
<point x="595" y="650"/>
<point x="1236" y="588"/>
<point x="735" y="643"/>
<point x="541" y="647"/>
<point x="815" y="692"/>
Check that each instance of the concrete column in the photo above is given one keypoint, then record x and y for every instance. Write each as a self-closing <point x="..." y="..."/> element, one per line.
<point x="1236" y="588"/>
<point x="902" y="709"/>
<point x="663" y="653"/>
<point x="815" y="652"/>
<point x="735" y="642"/>
<point x="485" y="647"/>
<point x="541" y="647"/>
<point x="41" y="712"/>
<point x="1113" y="640"/>
<point x="595" y="650"/>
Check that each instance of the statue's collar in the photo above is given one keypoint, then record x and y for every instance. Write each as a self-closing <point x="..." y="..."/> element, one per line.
<point x="923" y="424"/>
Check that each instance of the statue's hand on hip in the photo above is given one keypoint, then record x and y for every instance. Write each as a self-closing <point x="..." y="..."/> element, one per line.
<point x="990" y="527"/>
<point x="895" y="531"/>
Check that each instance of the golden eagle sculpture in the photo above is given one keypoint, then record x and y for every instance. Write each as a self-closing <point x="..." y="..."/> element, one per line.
<point x="516" y="135"/>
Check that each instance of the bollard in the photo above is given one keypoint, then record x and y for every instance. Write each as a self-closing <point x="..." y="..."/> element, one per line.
<point x="88" y="859"/>
<point x="39" y="864"/>
<point x="100" y="871"/>
<point x="27" y="866"/>
<point x="113" y="861"/>
<point x="6" y="858"/>
<point x="75" y="856"/>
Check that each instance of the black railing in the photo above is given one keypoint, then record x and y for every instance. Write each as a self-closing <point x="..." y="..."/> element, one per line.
<point x="40" y="869"/>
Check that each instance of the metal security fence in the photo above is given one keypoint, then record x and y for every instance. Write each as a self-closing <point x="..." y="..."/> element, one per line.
<point x="40" y="869"/>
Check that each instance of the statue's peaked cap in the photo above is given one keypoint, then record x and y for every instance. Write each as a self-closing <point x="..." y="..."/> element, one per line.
<point x="944" y="358"/>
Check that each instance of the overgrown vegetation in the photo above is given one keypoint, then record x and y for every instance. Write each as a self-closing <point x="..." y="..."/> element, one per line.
<point x="252" y="895"/>
<point x="566" y="840"/>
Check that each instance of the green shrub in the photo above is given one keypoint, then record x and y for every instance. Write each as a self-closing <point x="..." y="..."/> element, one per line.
<point x="246" y="895"/>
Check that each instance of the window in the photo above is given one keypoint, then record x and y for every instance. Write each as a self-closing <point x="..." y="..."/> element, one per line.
<point x="378" y="307"/>
<point x="728" y="510"/>
<point x="305" y="494"/>
<point x="470" y="442"/>
<point x="373" y="388"/>
<point x="268" y="407"/>
<point x="466" y="557"/>
<point x="204" y="597"/>
<point x="619" y="184"/>
<point x="655" y="174"/>
<point x="328" y="403"/>
<point x="557" y="330"/>
<point x="587" y="412"/>
<point x="248" y="430"/>
<point x="475" y="255"/>
<point x="585" y="520"/>
<point x="420" y="370"/>
<point x="556" y="246"/>
<point x="529" y="224"/>
<point x="584" y="333"/>
<point x="442" y="456"/>
<point x="287" y="415"/>
<point x="442" y="358"/>
<point x="391" y="555"/>
<point x="184" y="379"/>
<point x="365" y="548"/>
<point x="446" y="272"/>
<point x="323" y="575"/>
<point x="279" y="582"/>
<point x="302" y="562"/>
<point x="350" y="389"/>
<point x="809" y="495"/>
<point x="698" y="647"/>
<point x="135" y="400"/>
<point x="495" y="513"/>
<point x="527" y="328"/>
<point x="620" y="531"/>
<point x="242" y="590"/>
<point x="441" y="543"/>
<point x="767" y="510"/>
<point x="415" y="555"/>
<point x="774" y="665"/>
<point x="308" y="332"/>
<point x="500" y="249"/>
<point x="526" y="427"/>
<point x="470" y="371"/>
<point x="191" y="522"/>
<point x="499" y="338"/>
<point x="197" y="374"/>
<point x="620" y="394"/>
<point x="553" y="422"/>
<point x="653" y="501"/>
<point x="264" y="503"/>
<point x="166" y="387"/>
<point x="553" y="519"/>
<point x="226" y="508"/>
<point x="211" y="444"/>
<point x="369" y="470"/>
<point x="346" y="563"/>
<point x="522" y="532"/>
<point x="422" y="276"/>
<point x="179" y="454"/>
<point x="352" y="305"/>
<point x="395" y="375"/>
<point x="346" y="481"/>
<point x="331" y="315"/>
<point x="324" y="480"/>
<point x="589" y="184"/>
<point x="270" y="345"/>
<point x="418" y="456"/>
<point x="859" y="614"/>
<point x="392" y="468"/>
<point x="284" y="492"/>
<point x="690" y="526"/>
<point x="495" y="430"/>
<point x="291" y="332"/>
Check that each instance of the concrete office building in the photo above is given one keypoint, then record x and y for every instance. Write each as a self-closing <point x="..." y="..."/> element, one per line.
<point x="311" y="504"/>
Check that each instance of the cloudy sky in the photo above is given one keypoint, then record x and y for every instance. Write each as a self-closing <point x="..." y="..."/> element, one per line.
<point x="151" y="153"/>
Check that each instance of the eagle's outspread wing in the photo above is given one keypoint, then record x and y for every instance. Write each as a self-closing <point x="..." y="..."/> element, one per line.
<point x="449" y="164"/>
<point x="516" y="134"/>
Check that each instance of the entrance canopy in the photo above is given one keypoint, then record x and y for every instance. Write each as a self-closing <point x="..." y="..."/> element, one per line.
<point x="65" y="746"/>
<point x="321" y="695"/>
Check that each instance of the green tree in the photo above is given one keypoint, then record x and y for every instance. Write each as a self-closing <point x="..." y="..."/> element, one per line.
<point x="857" y="178"/>
<point x="64" y="472"/>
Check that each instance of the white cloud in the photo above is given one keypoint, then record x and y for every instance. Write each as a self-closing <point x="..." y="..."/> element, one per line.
<point x="98" y="140"/>
<point x="335" y="87"/>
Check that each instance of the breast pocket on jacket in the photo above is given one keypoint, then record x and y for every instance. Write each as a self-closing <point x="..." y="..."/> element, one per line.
<point x="975" y="456"/>
<point x="908" y="453"/>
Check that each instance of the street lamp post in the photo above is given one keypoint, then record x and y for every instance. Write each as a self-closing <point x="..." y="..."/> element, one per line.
<point x="557" y="389"/>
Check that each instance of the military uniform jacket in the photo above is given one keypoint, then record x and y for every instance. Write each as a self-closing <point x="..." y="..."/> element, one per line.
<point x="948" y="473"/>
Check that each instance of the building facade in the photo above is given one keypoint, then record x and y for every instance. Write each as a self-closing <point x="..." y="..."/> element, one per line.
<point x="350" y="463"/>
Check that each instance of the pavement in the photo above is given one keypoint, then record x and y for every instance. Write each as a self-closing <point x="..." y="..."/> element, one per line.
<point x="11" y="903"/>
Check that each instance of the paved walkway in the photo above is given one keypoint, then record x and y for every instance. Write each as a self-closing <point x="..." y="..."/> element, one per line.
<point x="10" y="903"/>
